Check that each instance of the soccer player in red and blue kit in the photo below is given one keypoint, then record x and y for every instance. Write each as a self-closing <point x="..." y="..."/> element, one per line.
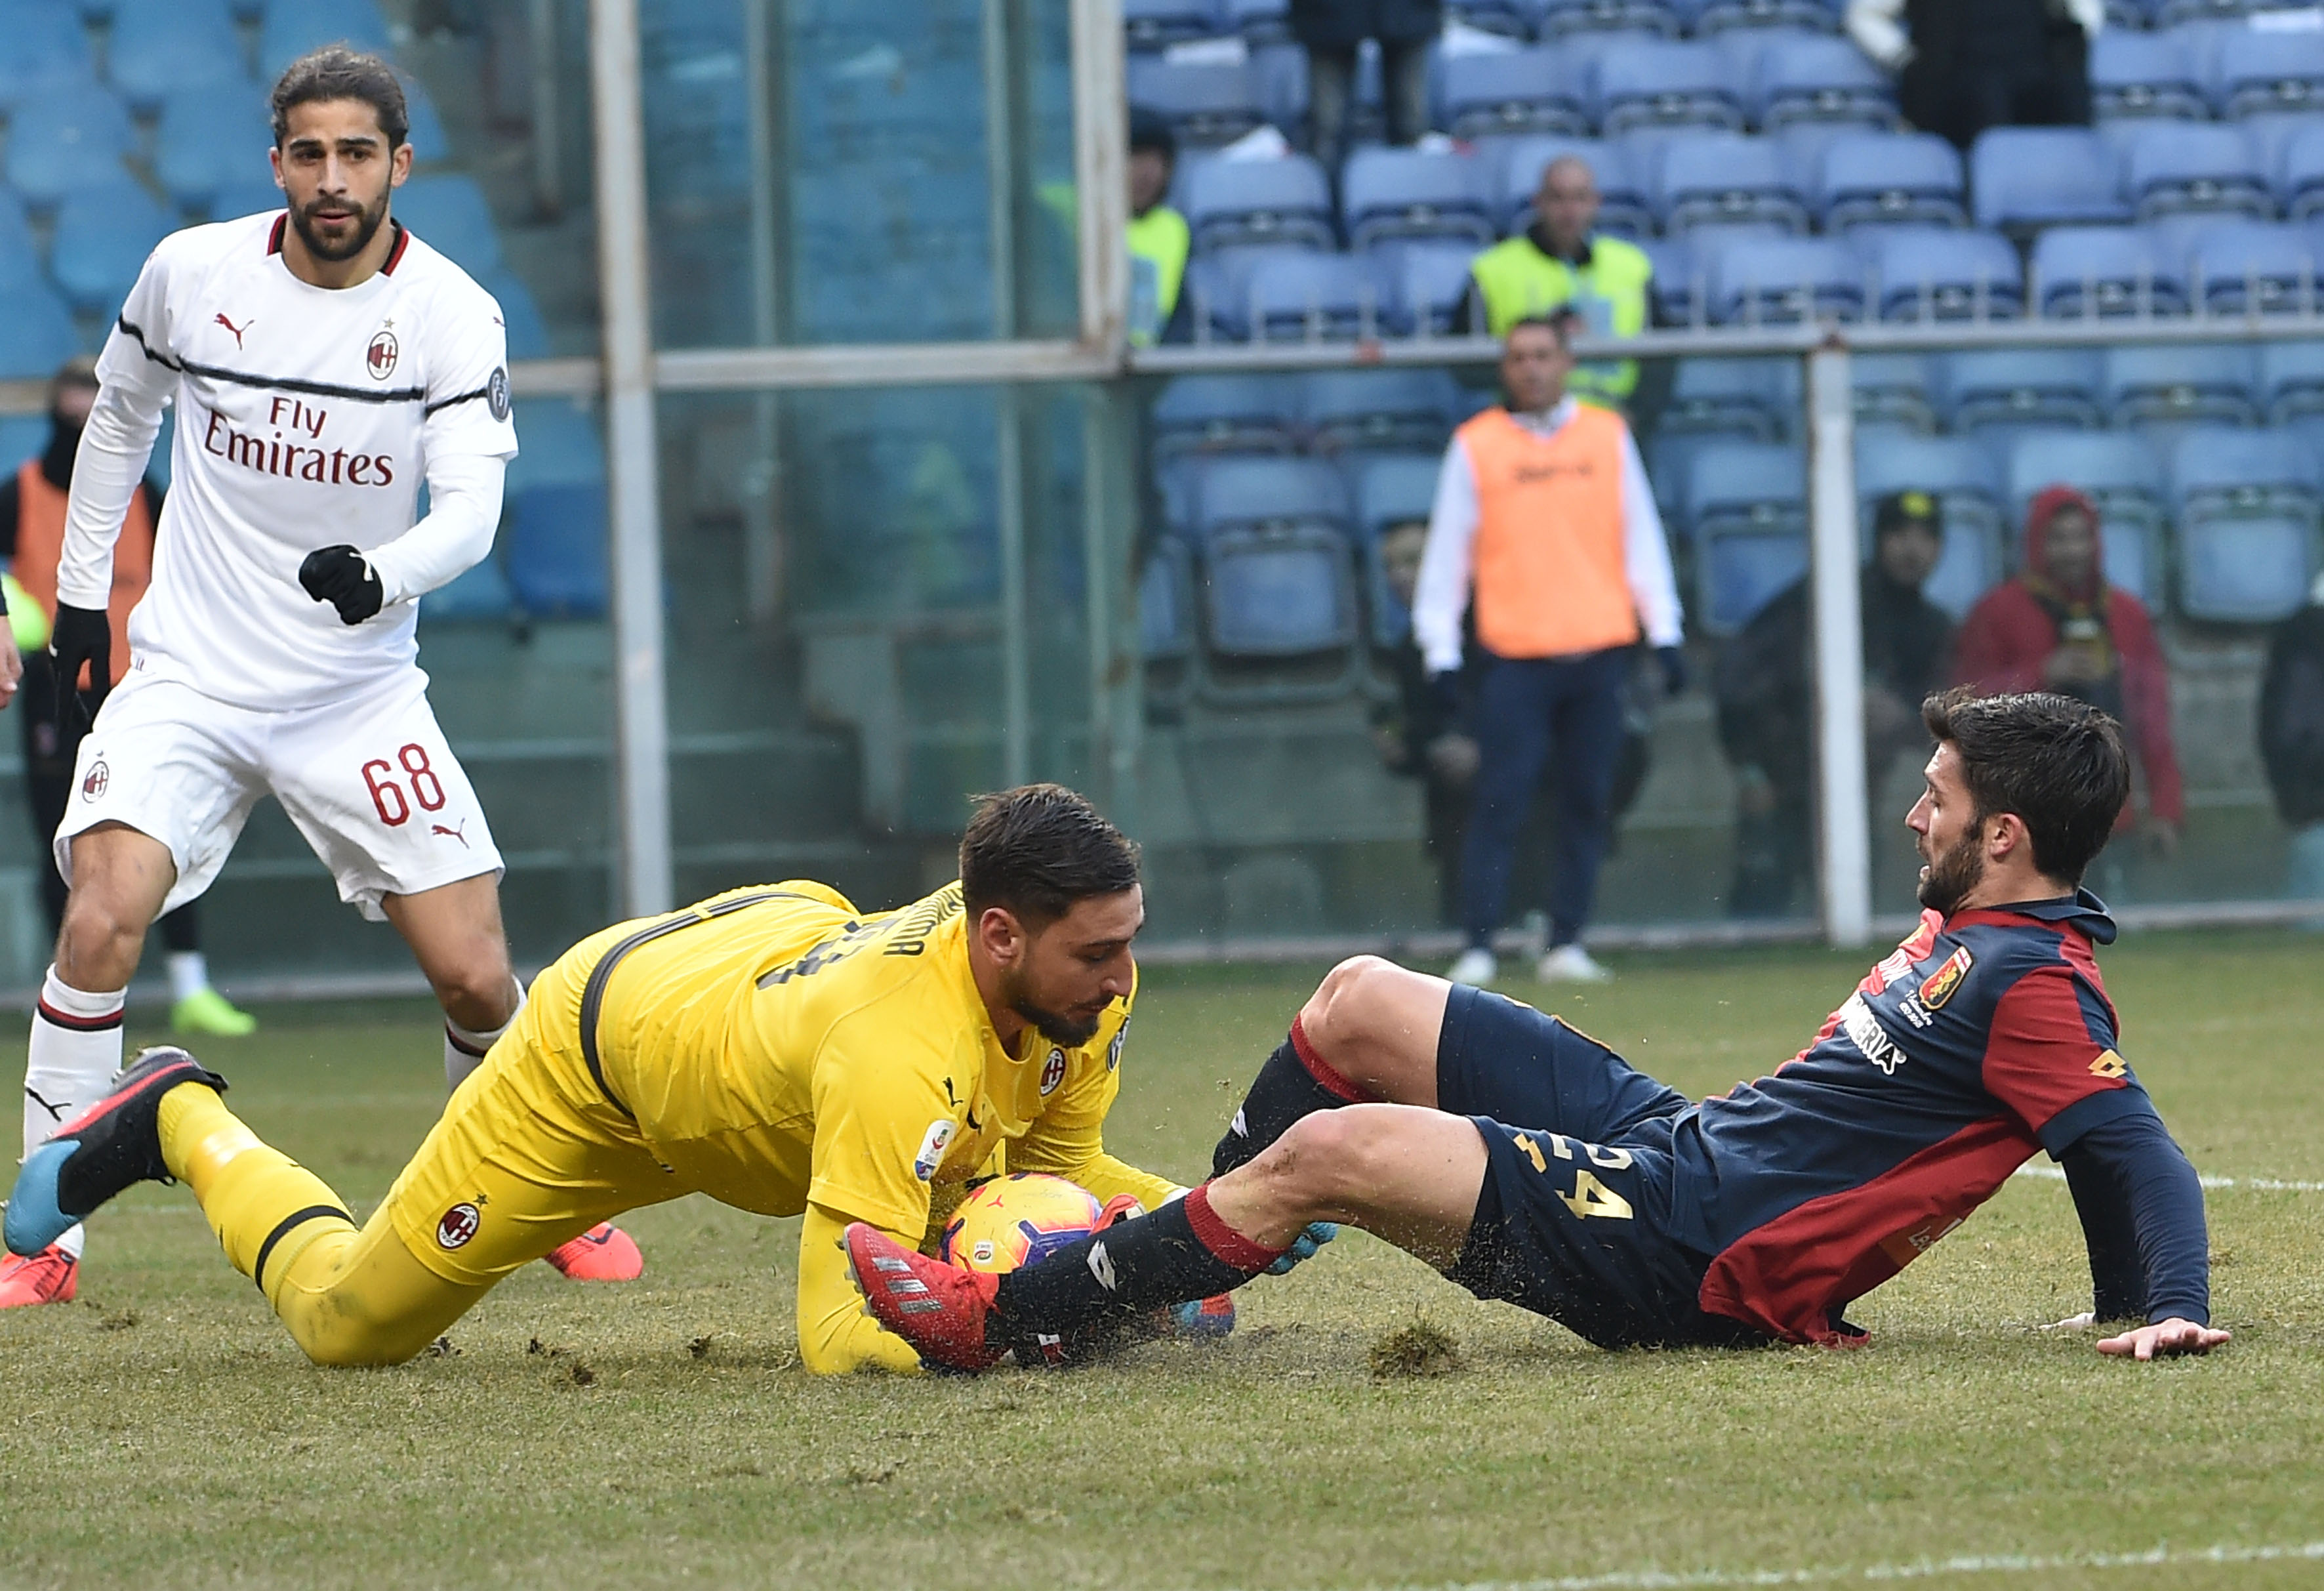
<point x="1529" y="1163"/>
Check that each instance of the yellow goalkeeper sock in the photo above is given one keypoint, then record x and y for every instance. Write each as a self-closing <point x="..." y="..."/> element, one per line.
<point x="267" y="1209"/>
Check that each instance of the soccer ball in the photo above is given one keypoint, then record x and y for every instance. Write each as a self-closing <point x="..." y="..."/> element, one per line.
<point x="1014" y="1220"/>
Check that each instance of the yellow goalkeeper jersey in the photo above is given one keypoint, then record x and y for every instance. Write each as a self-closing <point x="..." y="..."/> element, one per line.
<point x="777" y="1047"/>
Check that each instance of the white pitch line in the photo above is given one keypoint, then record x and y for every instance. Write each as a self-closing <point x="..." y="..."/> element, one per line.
<point x="1925" y="1569"/>
<point x="2261" y="1184"/>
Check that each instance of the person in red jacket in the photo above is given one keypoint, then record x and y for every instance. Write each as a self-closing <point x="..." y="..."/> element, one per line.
<point x="2059" y="626"/>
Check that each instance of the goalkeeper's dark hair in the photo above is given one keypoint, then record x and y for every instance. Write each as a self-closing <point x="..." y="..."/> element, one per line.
<point x="1037" y="849"/>
<point x="2057" y="762"/>
<point x="337" y="72"/>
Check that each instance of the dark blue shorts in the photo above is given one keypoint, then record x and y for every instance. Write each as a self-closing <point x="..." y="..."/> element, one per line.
<point x="1573" y="1219"/>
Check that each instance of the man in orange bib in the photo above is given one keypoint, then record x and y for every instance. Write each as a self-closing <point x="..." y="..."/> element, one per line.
<point x="1544" y="515"/>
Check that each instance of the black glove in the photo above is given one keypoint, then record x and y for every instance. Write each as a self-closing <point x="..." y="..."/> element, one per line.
<point x="1674" y="661"/>
<point x="80" y="635"/>
<point x="1444" y="692"/>
<point x="342" y="577"/>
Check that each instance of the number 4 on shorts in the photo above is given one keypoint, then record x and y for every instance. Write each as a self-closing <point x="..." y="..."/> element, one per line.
<point x="1592" y="1198"/>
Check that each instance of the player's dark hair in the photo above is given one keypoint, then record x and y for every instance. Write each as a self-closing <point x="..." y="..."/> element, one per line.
<point x="1037" y="849"/>
<point x="337" y="72"/>
<point x="2057" y="762"/>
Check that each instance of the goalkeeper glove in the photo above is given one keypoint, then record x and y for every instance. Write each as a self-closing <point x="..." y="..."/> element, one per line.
<point x="80" y="636"/>
<point x="1674" y="661"/>
<point x="1303" y="1246"/>
<point x="343" y="577"/>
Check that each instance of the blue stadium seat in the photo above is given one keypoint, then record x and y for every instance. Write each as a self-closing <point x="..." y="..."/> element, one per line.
<point x="2174" y="167"/>
<point x="46" y="50"/>
<point x="1780" y="280"/>
<point x="2025" y="177"/>
<point x="2119" y="472"/>
<point x="2247" y="504"/>
<point x="1292" y="295"/>
<point x="1727" y="178"/>
<point x="65" y="138"/>
<point x="1965" y="480"/>
<point x="212" y="139"/>
<point x="1393" y="193"/>
<point x="1259" y="21"/>
<point x="2291" y="379"/>
<point x="36" y="332"/>
<point x="2079" y="272"/>
<point x="521" y="317"/>
<point x="19" y="261"/>
<point x="1265" y="494"/>
<point x="1507" y="19"/>
<point x="478" y="594"/>
<point x="1278" y="72"/>
<point x="1278" y="594"/>
<point x="429" y="142"/>
<point x="1660" y="82"/>
<point x="102" y="239"/>
<point x="293" y="27"/>
<point x="1206" y="103"/>
<point x="2268" y="70"/>
<point x="161" y="48"/>
<point x="448" y="213"/>
<point x="1715" y="17"/>
<point x="1234" y="413"/>
<point x="1819" y="79"/>
<point x="1927" y="273"/>
<point x="1167" y="611"/>
<point x="1390" y="489"/>
<point x="2256" y="268"/>
<point x="2015" y="388"/>
<point x="1625" y="206"/>
<point x="2180" y="386"/>
<point x="1746" y="508"/>
<point x="1893" y="389"/>
<point x="1522" y="91"/>
<point x="1427" y="284"/>
<point x="21" y="437"/>
<point x="1237" y="201"/>
<point x="2134" y="73"/>
<point x="1561" y="18"/>
<point x="244" y="198"/>
<point x="1152" y="24"/>
<point x="1375" y="410"/>
<point x="1895" y="178"/>
<point x="554" y="545"/>
<point x="2300" y="176"/>
<point x="1755" y="398"/>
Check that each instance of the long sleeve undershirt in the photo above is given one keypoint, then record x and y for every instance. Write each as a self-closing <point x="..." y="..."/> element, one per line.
<point x="1448" y="560"/>
<point x="2142" y="1209"/>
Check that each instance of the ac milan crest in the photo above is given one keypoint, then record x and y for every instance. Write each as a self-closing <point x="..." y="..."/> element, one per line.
<point x="459" y="1225"/>
<point x="380" y="357"/>
<point x="99" y="776"/>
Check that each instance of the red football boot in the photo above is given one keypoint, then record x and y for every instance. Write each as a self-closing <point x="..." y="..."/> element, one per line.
<point x="603" y="1254"/>
<point x="50" y="1277"/>
<point x="940" y="1310"/>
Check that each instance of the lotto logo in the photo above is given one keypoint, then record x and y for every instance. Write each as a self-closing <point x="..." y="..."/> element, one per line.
<point x="459" y="1225"/>
<point x="99" y="776"/>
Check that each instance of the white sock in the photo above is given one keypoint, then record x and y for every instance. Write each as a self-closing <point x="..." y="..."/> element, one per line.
<point x="464" y="1052"/>
<point x="75" y="1050"/>
<point x="190" y="975"/>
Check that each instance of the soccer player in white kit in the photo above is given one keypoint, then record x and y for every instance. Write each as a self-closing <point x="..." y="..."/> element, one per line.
<point x="324" y="363"/>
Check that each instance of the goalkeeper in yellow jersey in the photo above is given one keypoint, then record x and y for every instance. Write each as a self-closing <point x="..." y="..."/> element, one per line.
<point x="772" y="1048"/>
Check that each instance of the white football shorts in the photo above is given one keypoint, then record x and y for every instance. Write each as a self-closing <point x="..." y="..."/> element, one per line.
<point x="369" y="780"/>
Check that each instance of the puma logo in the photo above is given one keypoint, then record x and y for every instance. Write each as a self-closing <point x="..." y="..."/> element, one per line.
<point x="237" y="330"/>
<point x="56" y="1111"/>
<point x="454" y="833"/>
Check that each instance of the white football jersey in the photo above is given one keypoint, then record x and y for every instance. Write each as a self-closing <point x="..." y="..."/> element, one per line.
<point x="307" y="417"/>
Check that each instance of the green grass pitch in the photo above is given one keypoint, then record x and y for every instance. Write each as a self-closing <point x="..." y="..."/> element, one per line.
<point x="163" y="1431"/>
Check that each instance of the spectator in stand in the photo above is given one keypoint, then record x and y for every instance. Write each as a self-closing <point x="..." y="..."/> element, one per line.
<point x="1420" y="734"/>
<point x="1332" y="31"/>
<point x="2291" y="741"/>
<point x="1766" y="700"/>
<point x="1560" y="262"/>
<point x="1159" y="241"/>
<point x="1544" y="510"/>
<point x="1963" y="66"/>
<point x="2059" y="626"/>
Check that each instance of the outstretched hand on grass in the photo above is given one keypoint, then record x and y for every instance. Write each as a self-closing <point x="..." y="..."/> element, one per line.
<point x="2163" y="1339"/>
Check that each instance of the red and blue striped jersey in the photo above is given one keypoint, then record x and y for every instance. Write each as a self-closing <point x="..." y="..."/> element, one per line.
<point x="1981" y="1039"/>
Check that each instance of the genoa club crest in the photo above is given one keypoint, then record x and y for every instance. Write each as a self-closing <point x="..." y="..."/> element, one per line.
<point x="380" y="357"/>
<point x="1942" y="983"/>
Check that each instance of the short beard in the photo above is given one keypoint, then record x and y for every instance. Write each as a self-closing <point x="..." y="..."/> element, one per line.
<point x="1954" y="873"/>
<point x="1055" y="1026"/>
<point x="368" y="223"/>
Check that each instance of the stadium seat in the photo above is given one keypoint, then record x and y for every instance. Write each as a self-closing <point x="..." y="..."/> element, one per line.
<point x="1727" y="177"/>
<point x="1292" y="295"/>
<point x="1427" y="284"/>
<point x="1711" y="17"/>
<point x="1267" y="494"/>
<point x="1559" y="19"/>
<point x="2246" y="506"/>
<point x="161" y="48"/>
<point x="1410" y="193"/>
<point x="2271" y="70"/>
<point x="1375" y="410"/>
<point x="2136" y="73"/>
<point x="212" y="139"/>
<point x="1167" y="622"/>
<point x="19" y="261"/>
<point x="244" y="198"/>
<point x="2256" y="268"/>
<point x="2119" y="472"/>
<point x="1967" y="484"/>
<point x="1660" y="82"/>
<point x="1746" y="506"/>
<point x="1927" y="273"/>
<point x="102" y="239"/>
<point x="555" y="547"/>
<point x="2291" y="379"/>
<point x="2028" y="177"/>
<point x="1780" y="280"/>
<point x="46" y="50"/>
<point x="1625" y="206"/>
<point x="66" y="138"/>
<point x="1911" y="177"/>
<point x="2014" y="388"/>
<point x="2080" y="272"/>
<point x="558" y="444"/>
<point x="1277" y="594"/>
<point x="1819" y="79"/>
<point x="1893" y="389"/>
<point x="1237" y="201"/>
<point x="1390" y="489"/>
<point x="292" y="28"/>
<point x="1259" y="21"/>
<point x="21" y="437"/>
<point x="2179" y="385"/>
<point x="1206" y="103"/>
<point x="429" y="142"/>
<point x="1522" y="91"/>
<point x="1152" y="24"/>
<point x="448" y="213"/>
<point x="36" y="332"/>
<point x="1755" y="398"/>
<point x="1506" y="19"/>
<point x="478" y="594"/>
<point x="2174" y="167"/>
<point x="521" y="317"/>
<point x="1231" y="413"/>
<point x="2300" y="174"/>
